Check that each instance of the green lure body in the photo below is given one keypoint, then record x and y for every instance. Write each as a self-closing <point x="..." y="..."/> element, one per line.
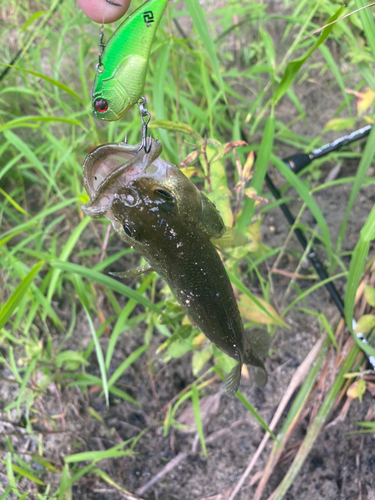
<point x="159" y="212"/>
<point x="122" y="69"/>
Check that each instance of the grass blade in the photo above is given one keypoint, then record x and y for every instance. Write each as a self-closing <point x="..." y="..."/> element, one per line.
<point x="13" y="301"/>
<point x="293" y="67"/>
<point x="364" y="164"/>
<point x="56" y="83"/>
<point x="357" y="264"/>
<point x="307" y="198"/>
<point x="65" y="252"/>
<point x="109" y="282"/>
<point x="198" y="16"/>
<point x="197" y="416"/>
<point x="125" y="364"/>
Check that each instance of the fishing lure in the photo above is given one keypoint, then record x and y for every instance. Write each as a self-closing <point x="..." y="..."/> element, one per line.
<point x="157" y="210"/>
<point x="122" y="67"/>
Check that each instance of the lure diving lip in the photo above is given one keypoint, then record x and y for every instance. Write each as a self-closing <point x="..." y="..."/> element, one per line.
<point x="157" y="210"/>
<point x="122" y="67"/>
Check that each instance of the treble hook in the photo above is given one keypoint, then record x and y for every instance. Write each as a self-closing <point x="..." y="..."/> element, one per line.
<point x="145" y="118"/>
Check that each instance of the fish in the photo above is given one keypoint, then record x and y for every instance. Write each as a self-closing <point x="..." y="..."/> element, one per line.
<point x="121" y="71"/>
<point x="159" y="212"/>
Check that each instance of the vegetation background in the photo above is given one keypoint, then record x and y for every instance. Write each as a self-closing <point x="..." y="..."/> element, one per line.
<point x="107" y="390"/>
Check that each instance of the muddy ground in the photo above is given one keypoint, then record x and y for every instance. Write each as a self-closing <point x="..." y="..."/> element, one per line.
<point x="340" y="466"/>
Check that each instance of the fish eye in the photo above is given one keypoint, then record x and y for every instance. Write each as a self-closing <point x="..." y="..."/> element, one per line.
<point x="101" y="105"/>
<point x="127" y="231"/>
<point x="164" y="194"/>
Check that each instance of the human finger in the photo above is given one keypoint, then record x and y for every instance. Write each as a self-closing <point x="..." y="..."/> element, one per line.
<point x="104" y="11"/>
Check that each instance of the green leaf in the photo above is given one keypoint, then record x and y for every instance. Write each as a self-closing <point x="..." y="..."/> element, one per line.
<point x="13" y="301"/>
<point x="365" y="324"/>
<point x="96" y="456"/>
<point x="24" y="122"/>
<point x="65" y="252"/>
<point x="303" y="192"/>
<point x="197" y="416"/>
<point x="294" y="66"/>
<point x="173" y="126"/>
<point x="13" y="203"/>
<point x="238" y="284"/>
<point x="125" y="364"/>
<point x="26" y="474"/>
<point x="198" y="16"/>
<point x="56" y="83"/>
<point x="111" y="283"/>
<point x="366" y="158"/>
<point x="368" y="24"/>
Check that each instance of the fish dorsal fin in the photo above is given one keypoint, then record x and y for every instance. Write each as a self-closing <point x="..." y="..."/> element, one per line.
<point x="210" y="221"/>
<point x="232" y="381"/>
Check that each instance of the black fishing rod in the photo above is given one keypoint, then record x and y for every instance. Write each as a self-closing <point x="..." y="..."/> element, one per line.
<point x="297" y="163"/>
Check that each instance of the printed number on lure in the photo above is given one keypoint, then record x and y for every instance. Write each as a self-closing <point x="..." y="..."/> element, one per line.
<point x="122" y="68"/>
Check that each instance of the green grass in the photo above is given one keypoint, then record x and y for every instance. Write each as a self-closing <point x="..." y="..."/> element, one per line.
<point x="224" y="80"/>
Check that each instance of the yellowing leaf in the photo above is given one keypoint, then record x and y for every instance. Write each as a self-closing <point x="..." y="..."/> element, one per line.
<point x="357" y="389"/>
<point x="250" y="192"/>
<point x="370" y="295"/>
<point x="200" y="358"/>
<point x="252" y="312"/>
<point x="338" y="124"/>
<point x="198" y="339"/>
<point x="249" y="163"/>
<point x="365" y="100"/>
<point x="229" y="146"/>
<point x="191" y="157"/>
<point x="365" y="323"/>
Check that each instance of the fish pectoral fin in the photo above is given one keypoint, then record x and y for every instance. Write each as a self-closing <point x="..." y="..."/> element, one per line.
<point x="210" y="221"/>
<point x="230" y="239"/>
<point x="232" y="381"/>
<point x="133" y="272"/>
<point x="261" y="377"/>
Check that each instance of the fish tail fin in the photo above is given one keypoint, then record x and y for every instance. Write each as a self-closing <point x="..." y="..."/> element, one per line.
<point x="232" y="381"/>
<point x="259" y="341"/>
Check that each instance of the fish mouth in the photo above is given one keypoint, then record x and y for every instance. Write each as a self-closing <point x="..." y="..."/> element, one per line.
<point x="111" y="167"/>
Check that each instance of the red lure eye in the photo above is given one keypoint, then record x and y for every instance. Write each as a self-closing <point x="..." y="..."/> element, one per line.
<point x="101" y="105"/>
